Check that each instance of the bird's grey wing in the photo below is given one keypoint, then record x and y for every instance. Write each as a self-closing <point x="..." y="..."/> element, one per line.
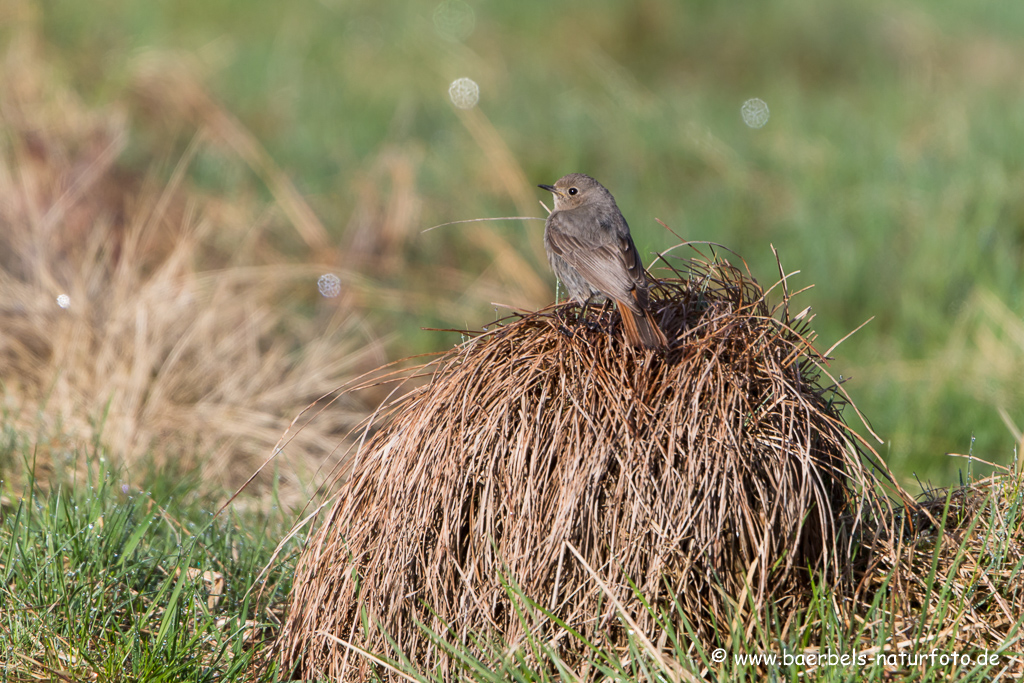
<point x="616" y="224"/>
<point x="634" y="267"/>
<point x="610" y="266"/>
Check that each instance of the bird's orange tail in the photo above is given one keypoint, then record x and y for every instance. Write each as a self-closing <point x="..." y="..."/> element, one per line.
<point x="641" y="330"/>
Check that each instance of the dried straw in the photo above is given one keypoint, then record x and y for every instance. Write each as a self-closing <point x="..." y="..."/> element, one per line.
<point x="186" y="337"/>
<point x="718" y="473"/>
<point x="950" y="571"/>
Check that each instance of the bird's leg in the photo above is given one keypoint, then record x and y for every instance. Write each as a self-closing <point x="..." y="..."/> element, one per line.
<point x="604" y="310"/>
<point x="584" y="308"/>
<point x="598" y="324"/>
<point x="592" y="325"/>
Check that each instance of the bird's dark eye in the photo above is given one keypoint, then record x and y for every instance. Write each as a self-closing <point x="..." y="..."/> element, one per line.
<point x="573" y="191"/>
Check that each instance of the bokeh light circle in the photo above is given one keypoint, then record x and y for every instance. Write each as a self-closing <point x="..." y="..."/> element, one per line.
<point x="465" y="93"/>
<point x="755" y="112"/>
<point x="329" y="285"/>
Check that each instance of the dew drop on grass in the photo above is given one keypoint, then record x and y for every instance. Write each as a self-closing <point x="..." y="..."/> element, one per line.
<point x="465" y="93"/>
<point x="755" y="112"/>
<point x="329" y="285"/>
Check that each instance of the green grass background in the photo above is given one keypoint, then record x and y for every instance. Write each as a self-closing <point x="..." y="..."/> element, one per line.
<point x="889" y="174"/>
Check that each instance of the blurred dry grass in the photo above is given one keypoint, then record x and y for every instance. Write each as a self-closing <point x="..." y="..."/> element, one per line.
<point x="193" y="328"/>
<point x="891" y="163"/>
<point x="184" y="337"/>
<point x="714" y="476"/>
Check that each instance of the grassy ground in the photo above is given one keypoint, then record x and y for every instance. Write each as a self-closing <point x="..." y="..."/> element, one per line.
<point x="106" y="581"/>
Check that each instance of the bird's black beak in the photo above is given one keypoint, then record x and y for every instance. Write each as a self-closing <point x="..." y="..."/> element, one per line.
<point x="549" y="188"/>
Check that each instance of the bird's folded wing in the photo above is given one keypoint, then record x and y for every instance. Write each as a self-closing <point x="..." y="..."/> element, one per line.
<point x="612" y="267"/>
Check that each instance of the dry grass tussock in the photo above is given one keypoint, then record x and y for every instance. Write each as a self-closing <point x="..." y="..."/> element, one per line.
<point x="546" y="451"/>
<point x="180" y="337"/>
<point x="950" y="572"/>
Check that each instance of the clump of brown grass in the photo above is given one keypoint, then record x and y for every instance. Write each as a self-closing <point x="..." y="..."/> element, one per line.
<point x="181" y="337"/>
<point x="950" y="570"/>
<point x="547" y="451"/>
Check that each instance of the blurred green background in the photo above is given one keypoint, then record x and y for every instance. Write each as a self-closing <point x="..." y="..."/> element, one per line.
<point x="890" y="172"/>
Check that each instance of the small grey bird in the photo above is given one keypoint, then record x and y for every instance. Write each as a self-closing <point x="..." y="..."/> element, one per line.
<point x="590" y="249"/>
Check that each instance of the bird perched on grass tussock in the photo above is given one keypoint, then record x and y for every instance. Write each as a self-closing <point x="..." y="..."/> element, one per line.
<point x="592" y="253"/>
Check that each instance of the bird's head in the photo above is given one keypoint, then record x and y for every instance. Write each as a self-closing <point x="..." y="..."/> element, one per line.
<point x="575" y="190"/>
